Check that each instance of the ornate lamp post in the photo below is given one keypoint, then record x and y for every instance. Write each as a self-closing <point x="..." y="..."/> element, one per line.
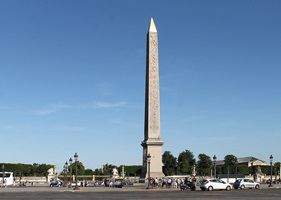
<point x="280" y="173"/>
<point x="215" y="170"/>
<point x="65" y="174"/>
<point x="236" y="163"/>
<point x="271" y="159"/>
<point x="148" y="159"/>
<point x="3" y="174"/>
<point x="70" y="173"/>
<point x="76" y="160"/>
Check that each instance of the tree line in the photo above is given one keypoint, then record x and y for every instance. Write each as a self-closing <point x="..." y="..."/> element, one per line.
<point x="133" y="170"/>
<point x="20" y="169"/>
<point x="185" y="163"/>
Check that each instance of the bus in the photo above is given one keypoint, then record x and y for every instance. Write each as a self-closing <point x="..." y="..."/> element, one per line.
<point x="8" y="177"/>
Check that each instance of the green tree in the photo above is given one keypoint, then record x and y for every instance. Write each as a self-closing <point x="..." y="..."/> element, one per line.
<point x="186" y="161"/>
<point x="133" y="170"/>
<point x="276" y="169"/>
<point x="20" y="169"/>
<point x="204" y="164"/>
<point x="230" y="162"/>
<point x="89" y="172"/>
<point x="80" y="168"/>
<point x="42" y="169"/>
<point x="170" y="163"/>
<point x="98" y="171"/>
<point x="108" y="168"/>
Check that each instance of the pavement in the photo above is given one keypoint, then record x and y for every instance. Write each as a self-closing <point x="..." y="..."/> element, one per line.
<point x="136" y="193"/>
<point x="46" y="188"/>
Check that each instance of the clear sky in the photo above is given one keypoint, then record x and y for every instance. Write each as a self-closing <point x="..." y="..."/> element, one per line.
<point x="73" y="79"/>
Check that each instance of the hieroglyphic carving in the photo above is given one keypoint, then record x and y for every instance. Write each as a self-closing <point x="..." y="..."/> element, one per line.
<point x="154" y="107"/>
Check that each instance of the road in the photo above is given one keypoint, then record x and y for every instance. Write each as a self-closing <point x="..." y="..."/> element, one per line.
<point x="40" y="193"/>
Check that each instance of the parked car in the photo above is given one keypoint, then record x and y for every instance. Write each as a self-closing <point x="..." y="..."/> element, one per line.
<point x="214" y="184"/>
<point x="73" y="184"/>
<point x="245" y="183"/>
<point x="55" y="184"/>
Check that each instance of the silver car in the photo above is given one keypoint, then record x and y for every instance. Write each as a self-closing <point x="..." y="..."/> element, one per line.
<point x="214" y="184"/>
<point x="245" y="183"/>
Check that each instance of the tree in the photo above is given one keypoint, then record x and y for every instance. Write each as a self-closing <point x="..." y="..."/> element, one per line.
<point x="204" y="164"/>
<point x="230" y="162"/>
<point x="276" y="168"/>
<point x="27" y="169"/>
<point x="80" y="168"/>
<point x="133" y="170"/>
<point x="108" y="168"/>
<point x="186" y="161"/>
<point x="170" y="163"/>
<point x="89" y="172"/>
<point x="98" y="171"/>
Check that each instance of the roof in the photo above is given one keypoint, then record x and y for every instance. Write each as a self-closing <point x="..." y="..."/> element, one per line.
<point x="250" y="160"/>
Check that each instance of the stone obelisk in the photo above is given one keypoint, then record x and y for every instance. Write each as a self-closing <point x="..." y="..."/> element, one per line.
<point x="152" y="143"/>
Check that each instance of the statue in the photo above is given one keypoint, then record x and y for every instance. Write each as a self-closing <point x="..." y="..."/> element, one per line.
<point x="115" y="173"/>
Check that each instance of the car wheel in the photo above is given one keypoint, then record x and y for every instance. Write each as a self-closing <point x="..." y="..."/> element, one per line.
<point x="210" y="188"/>
<point x="203" y="189"/>
<point x="242" y="187"/>
<point x="257" y="186"/>
<point x="236" y="188"/>
<point x="228" y="188"/>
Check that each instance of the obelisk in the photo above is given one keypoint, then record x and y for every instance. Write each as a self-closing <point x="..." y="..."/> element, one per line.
<point x="152" y="143"/>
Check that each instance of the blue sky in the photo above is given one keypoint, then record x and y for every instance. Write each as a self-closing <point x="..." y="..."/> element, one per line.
<point x="73" y="77"/>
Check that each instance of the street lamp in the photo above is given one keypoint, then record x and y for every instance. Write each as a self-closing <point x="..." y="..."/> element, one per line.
<point x="280" y="173"/>
<point x="76" y="160"/>
<point x="65" y="174"/>
<point x="227" y="173"/>
<point x="236" y="163"/>
<point x="271" y="159"/>
<point x="70" y="173"/>
<point x="215" y="170"/>
<point x="3" y="174"/>
<point x="148" y="158"/>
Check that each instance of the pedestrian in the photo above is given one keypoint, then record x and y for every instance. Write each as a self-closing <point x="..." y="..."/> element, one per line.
<point x="169" y="182"/>
<point x="156" y="182"/>
<point x="147" y="183"/>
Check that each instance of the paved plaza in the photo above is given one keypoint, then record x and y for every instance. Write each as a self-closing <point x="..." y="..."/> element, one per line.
<point x="47" y="193"/>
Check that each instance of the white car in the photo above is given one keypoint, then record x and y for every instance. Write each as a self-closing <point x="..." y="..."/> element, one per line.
<point x="73" y="184"/>
<point x="214" y="184"/>
<point x="246" y="183"/>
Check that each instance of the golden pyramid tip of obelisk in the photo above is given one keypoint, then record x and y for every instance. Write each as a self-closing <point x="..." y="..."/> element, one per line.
<point x="152" y="27"/>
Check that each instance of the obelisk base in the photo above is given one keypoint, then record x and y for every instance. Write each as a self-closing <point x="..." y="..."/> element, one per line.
<point x="154" y="168"/>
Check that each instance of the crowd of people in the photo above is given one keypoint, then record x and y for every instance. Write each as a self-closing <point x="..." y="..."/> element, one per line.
<point x="167" y="182"/>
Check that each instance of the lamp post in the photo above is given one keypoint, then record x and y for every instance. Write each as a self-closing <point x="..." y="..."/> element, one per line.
<point x="70" y="173"/>
<point x="275" y="172"/>
<point x="271" y="159"/>
<point x="3" y="174"/>
<point x="76" y="160"/>
<point x="215" y="170"/>
<point x="236" y="163"/>
<point x="65" y="174"/>
<point x="280" y="173"/>
<point x="227" y="173"/>
<point x="148" y="158"/>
